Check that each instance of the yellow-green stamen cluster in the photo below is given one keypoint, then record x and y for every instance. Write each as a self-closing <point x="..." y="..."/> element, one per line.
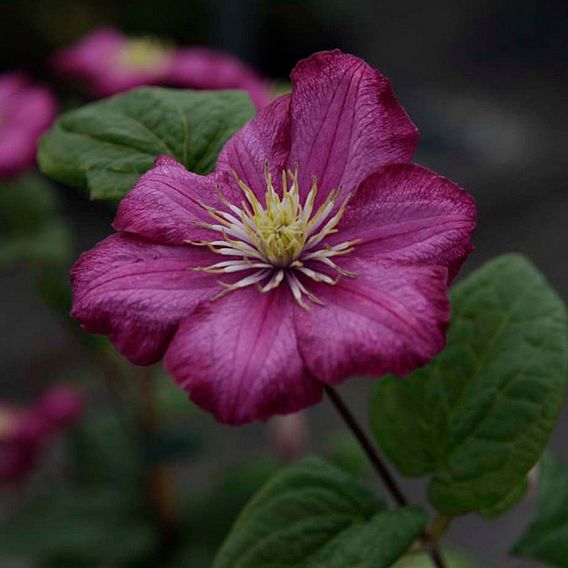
<point x="277" y="239"/>
<point x="143" y="54"/>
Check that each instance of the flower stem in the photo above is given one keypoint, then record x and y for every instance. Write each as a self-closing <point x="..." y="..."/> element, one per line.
<point x="440" y="525"/>
<point x="387" y="478"/>
<point x="367" y="447"/>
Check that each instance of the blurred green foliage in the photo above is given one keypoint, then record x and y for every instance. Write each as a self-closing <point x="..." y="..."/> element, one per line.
<point x="32" y="228"/>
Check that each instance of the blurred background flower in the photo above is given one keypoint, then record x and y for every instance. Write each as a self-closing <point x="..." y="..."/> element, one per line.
<point x="25" y="432"/>
<point x="106" y="62"/>
<point x="26" y="111"/>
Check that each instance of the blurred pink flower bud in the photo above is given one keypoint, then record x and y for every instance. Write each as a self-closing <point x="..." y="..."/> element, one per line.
<point x="290" y="436"/>
<point x="62" y="406"/>
<point x="31" y="429"/>
<point x="26" y="110"/>
<point x="25" y="432"/>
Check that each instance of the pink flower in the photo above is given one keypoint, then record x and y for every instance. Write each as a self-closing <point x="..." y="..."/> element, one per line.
<point x="25" y="432"/>
<point x="316" y="251"/>
<point x="205" y="68"/>
<point x="109" y="62"/>
<point x="62" y="406"/>
<point x="26" y="111"/>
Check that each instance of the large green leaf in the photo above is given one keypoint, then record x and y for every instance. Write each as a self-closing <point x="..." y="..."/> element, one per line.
<point x="106" y="146"/>
<point x="31" y="228"/>
<point x="313" y="515"/>
<point x="547" y="537"/>
<point x="479" y="416"/>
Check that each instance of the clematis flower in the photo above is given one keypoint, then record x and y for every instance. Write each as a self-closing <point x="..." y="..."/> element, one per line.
<point x="109" y="62"/>
<point x="315" y="251"/>
<point x="26" y="111"/>
<point x="25" y="432"/>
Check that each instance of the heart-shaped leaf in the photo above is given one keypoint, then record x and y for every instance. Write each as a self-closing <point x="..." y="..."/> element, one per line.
<point x="478" y="418"/>
<point x="313" y="515"/>
<point x="106" y="146"/>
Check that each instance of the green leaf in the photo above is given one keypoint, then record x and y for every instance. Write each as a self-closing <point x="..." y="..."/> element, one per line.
<point x="547" y="537"/>
<point x="31" y="229"/>
<point x="76" y="527"/>
<point x="106" y="146"/>
<point x="479" y="416"/>
<point x="315" y="515"/>
<point x="509" y="500"/>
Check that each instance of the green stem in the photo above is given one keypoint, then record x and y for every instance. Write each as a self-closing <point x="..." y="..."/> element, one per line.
<point x="428" y="540"/>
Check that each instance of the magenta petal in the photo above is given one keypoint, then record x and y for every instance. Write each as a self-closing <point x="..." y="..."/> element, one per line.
<point x="205" y="68"/>
<point x="406" y="212"/>
<point x="391" y="318"/>
<point x="26" y="111"/>
<point x="165" y="203"/>
<point x="93" y="53"/>
<point x="137" y="292"/>
<point x="92" y="61"/>
<point x="239" y="359"/>
<point x="345" y="122"/>
<point x="265" y="137"/>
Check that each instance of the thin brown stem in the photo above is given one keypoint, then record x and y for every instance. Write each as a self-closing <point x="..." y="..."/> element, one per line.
<point x="428" y="541"/>
<point x="367" y="446"/>
<point x="439" y="526"/>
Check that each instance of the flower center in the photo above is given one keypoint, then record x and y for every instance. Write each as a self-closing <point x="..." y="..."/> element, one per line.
<point x="278" y="230"/>
<point x="282" y="240"/>
<point x="143" y="54"/>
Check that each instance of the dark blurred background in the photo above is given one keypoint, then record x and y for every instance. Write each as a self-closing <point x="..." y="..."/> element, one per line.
<point x="485" y="82"/>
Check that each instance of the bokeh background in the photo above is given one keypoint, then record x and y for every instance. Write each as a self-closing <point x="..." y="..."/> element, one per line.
<point x="485" y="82"/>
